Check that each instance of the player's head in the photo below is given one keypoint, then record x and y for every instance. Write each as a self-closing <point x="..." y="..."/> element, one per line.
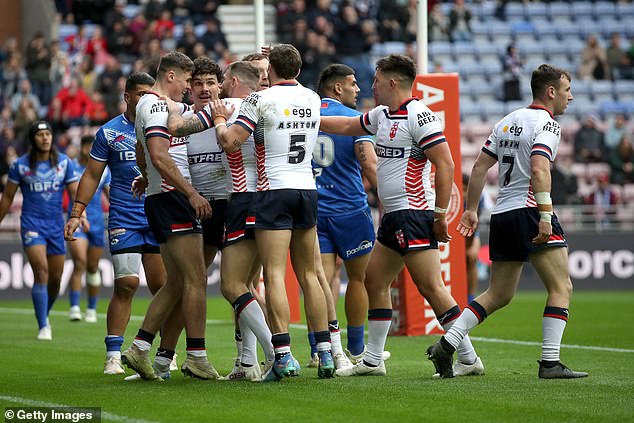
<point x="285" y="62"/>
<point x="86" y="145"/>
<point x="261" y="62"/>
<point x="241" y="78"/>
<point x="136" y="86"/>
<point x="338" y="81"/>
<point x="174" y="73"/>
<point x="206" y="80"/>
<point x="41" y="141"/>
<point x="395" y="72"/>
<point x="551" y="87"/>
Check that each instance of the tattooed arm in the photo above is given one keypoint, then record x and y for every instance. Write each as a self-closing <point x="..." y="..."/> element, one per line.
<point x="366" y="156"/>
<point x="179" y="126"/>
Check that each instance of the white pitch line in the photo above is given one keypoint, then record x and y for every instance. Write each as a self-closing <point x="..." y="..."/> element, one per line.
<point x="302" y="326"/>
<point x="104" y="414"/>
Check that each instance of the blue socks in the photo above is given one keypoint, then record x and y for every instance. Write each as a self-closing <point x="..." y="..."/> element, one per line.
<point x="313" y="343"/>
<point x="74" y="297"/>
<point x="92" y="302"/>
<point x="355" y="339"/>
<point x="39" y="295"/>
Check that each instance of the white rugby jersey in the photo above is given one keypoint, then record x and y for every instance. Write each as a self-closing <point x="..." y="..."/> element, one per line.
<point x="514" y="140"/>
<point x="240" y="165"/>
<point x="204" y="154"/>
<point x="151" y="121"/>
<point x="403" y="170"/>
<point x="284" y="120"/>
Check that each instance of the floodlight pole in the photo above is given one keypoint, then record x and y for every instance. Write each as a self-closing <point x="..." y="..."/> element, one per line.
<point x="421" y="36"/>
<point x="259" y="24"/>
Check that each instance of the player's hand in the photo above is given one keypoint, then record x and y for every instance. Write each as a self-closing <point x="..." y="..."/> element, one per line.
<point x="219" y="108"/>
<point x="71" y="226"/>
<point x="138" y="187"/>
<point x="200" y="205"/>
<point x="545" y="231"/>
<point x="441" y="230"/>
<point x="265" y="50"/>
<point x="172" y="106"/>
<point x="468" y="223"/>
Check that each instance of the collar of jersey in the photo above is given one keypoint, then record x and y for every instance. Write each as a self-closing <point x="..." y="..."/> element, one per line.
<point x="285" y="84"/>
<point x="123" y="116"/>
<point x="331" y="99"/>
<point x="402" y="109"/>
<point x="152" y="92"/>
<point x="537" y="107"/>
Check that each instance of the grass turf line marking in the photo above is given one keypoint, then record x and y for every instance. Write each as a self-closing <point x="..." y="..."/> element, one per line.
<point x="104" y="414"/>
<point x="301" y="326"/>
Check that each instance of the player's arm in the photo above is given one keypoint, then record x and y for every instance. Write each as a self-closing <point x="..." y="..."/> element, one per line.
<point x="230" y="138"/>
<point x="366" y="156"/>
<point x="179" y="126"/>
<point x="158" y="149"/>
<point x="541" y="182"/>
<point x="440" y="156"/>
<point x="7" y="198"/>
<point x="469" y="220"/>
<point x="342" y="125"/>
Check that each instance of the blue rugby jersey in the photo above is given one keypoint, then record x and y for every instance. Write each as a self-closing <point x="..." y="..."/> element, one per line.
<point x="94" y="211"/>
<point x="337" y="170"/>
<point x="42" y="188"/>
<point x="115" y="145"/>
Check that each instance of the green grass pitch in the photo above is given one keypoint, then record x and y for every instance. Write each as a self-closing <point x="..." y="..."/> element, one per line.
<point x="599" y="339"/>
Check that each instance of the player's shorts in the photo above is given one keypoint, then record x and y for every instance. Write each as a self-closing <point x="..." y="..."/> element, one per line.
<point x="125" y="240"/>
<point x="49" y="232"/>
<point x="285" y="209"/>
<point x="349" y="236"/>
<point x="511" y="233"/>
<point x="170" y="214"/>
<point x="239" y="218"/>
<point x="407" y="230"/>
<point x="214" y="227"/>
<point x="95" y="235"/>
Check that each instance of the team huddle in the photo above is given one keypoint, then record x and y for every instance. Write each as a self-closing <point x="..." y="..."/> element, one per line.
<point x="260" y="166"/>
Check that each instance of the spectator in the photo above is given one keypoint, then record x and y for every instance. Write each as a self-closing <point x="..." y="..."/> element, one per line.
<point x="354" y="42"/>
<point x="188" y="40"/>
<point x="325" y="27"/>
<point x="594" y="63"/>
<point x="204" y="10"/>
<point x="12" y="74"/>
<point x="24" y="92"/>
<point x="74" y="103"/>
<point x="622" y="162"/>
<point x="120" y="41"/>
<point x="61" y="71"/>
<point x="392" y="19"/>
<point x="589" y="143"/>
<point x="437" y="25"/>
<point x="153" y="51"/>
<point x="87" y="75"/>
<point x="97" y="48"/>
<point x="115" y="15"/>
<point x="38" y="65"/>
<point x="213" y="38"/>
<point x="617" y="59"/>
<point x="180" y="10"/>
<point x="512" y="73"/>
<point x="24" y="117"/>
<point x="616" y="131"/>
<point x="564" y="189"/>
<point x="164" y="24"/>
<point x="300" y="36"/>
<point x="286" y="17"/>
<point x="137" y="29"/>
<point x="6" y="117"/>
<point x="107" y="85"/>
<point x="412" y="23"/>
<point x="603" y="198"/>
<point x="96" y="111"/>
<point x="323" y="9"/>
<point x="459" y="18"/>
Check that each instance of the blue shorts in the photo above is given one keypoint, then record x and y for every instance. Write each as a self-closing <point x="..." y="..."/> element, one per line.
<point x="123" y="240"/>
<point x="95" y="235"/>
<point x="335" y="234"/>
<point x="43" y="232"/>
<point x="408" y="230"/>
<point x="511" y="234"/>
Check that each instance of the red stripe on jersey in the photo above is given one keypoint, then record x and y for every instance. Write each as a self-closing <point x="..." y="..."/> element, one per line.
<point x="429" y="140"/>
<point x="263" y="179"/>
<point x="530" y="197"/>
<point x="246" y="121"/>
<point x="542" y="149"/>
<point x="236" y="169"/>
<point x="414" y="188"/>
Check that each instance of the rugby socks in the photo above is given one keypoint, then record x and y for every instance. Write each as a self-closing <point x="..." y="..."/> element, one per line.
<point x="113" y="346"/>
<point x="553" y="325"/>
<point x="39" y="295"/>
<point x="281" y="344"/>
<point x="465" y="350"/>
<point x="335" y="336"/>
<point x="164" y="358"/>
<point x="196" y="347"/>
<point x="92" y="302"/>
<point x="237" y="336"/>
<point x="322" y="339"/>
<point x="355" y="339"/>
<point x="312" y="343"/>
<point x="74" y="297"/>
<point x="143" y="340"/>
<point x="249" y="313"/>
<point x="471" y="316"/>
<point x="249" y="355"/>
<point x="379" y="321"/>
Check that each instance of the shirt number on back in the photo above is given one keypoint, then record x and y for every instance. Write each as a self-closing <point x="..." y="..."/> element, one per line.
<point x="296" y="150"/>
<point x="507" y="175"/>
